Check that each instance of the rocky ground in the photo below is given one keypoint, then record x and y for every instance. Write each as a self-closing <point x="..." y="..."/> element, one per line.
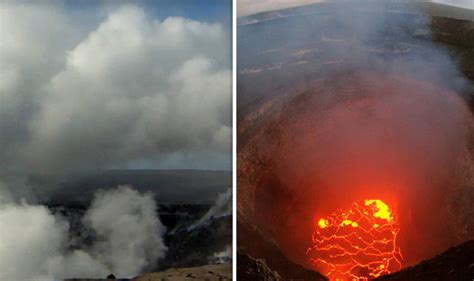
<point x="217" y="272"/>
<point x="211" y="272"/>
<point x="259" y="259"/>
<point x="457" y="263"/>
<point x="250" y="268"/>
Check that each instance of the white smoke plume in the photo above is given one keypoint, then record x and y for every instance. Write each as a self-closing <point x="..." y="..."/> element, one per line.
<point x="129" y="230"/>
<point x="222" y="256"/>
<point x="33" y="241"/>
<point x="222" y="207"/>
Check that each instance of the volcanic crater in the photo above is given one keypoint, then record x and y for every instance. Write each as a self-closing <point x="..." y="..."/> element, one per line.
<point x="355" y="167"/>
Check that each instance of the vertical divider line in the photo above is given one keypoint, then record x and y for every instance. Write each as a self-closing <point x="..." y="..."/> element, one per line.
<point x="234" y="139"/>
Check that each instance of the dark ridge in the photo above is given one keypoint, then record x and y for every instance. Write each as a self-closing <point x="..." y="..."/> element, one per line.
<point x="257" y="248"/>
<point x="457" y="263"/>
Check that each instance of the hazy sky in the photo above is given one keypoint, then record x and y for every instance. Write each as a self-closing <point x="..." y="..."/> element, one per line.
<point x="122" y="84"/>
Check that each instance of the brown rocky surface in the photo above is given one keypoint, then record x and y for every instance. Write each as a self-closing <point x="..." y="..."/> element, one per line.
<point x="215" y="272"/>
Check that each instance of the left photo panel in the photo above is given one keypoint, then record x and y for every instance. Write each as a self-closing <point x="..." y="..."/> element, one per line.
<point x="115" y="140"/>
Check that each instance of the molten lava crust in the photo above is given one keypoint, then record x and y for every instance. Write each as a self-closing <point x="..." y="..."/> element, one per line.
<point x="358" y="243"/>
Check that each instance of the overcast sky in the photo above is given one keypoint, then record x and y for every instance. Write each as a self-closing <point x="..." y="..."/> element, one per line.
<point x="120" y="84"/>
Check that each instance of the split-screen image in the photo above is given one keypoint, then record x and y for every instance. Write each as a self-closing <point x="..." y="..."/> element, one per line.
<point x="252" y="140"/>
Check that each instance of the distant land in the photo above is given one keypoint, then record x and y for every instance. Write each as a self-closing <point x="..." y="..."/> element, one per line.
<point x="168" y="186"/>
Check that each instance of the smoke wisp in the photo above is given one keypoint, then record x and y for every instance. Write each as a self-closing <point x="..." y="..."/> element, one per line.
<point x="222" y="207"/>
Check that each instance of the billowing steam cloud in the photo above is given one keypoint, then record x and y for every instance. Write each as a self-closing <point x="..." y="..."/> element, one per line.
<point x="129" y="89"/>
<point x="129" y="231"/>
<point x="380" y="114"/>
<point x="34" y="241"/>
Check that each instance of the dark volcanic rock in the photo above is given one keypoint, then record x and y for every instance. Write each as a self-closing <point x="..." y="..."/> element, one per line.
<point x="195" y="247"/>
<point x="252" y="269"/>
<point x="457" y="264"/>
<point x="259" y="248"/>
<point x="458" y="37"/>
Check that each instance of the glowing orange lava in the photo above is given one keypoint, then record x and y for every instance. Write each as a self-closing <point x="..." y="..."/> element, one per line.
<point x="357" y="244"/>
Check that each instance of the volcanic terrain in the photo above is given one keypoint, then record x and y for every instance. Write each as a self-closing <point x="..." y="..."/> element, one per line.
<point x="336" y="116"/>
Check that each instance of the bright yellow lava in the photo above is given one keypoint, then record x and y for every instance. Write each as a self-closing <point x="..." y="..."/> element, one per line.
<point x="383" y="211"/>
<point x="349" y="222"/>
<point x="322" y="223"/>
<point x="358" y="243"/>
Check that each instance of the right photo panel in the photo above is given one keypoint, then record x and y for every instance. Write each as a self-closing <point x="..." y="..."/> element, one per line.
<point x="355" y="140"/>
